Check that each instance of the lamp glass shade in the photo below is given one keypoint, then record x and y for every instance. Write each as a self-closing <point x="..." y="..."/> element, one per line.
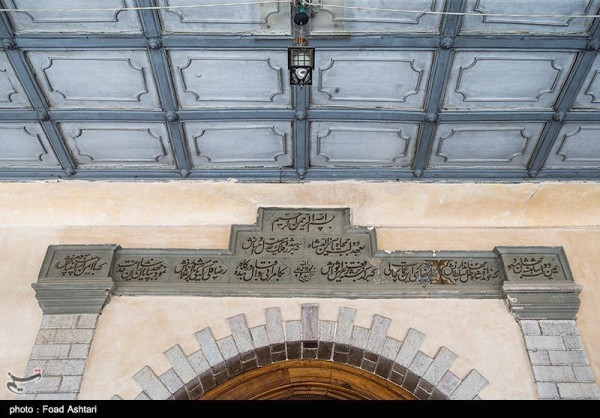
<point x="301" y="57"/>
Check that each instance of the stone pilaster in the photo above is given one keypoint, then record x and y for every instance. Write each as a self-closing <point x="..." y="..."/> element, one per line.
<point x="73" y="287"/>
<point x="558" y="360"/>
<point x="542" y="296"/>
<point x="60" y="355"/>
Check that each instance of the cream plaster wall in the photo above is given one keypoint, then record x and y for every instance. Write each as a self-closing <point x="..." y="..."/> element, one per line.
<point x="193" y="214"/>
<point x="134" y="332"/>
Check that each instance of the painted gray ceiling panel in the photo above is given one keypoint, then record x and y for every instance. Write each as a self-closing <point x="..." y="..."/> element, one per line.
<point x="507" y="79"/>
<point x="51" y="16"/>
<point x="523" y="23"/>
<point x="25" y="145"/>
<point x="413" y="89"/>
<point x="504" y="144"/>
<point x="240" y="144"/>
<point x="578" y="146"/>
<point x="12" y="94"/>
<point x="345" y="79"/>
<point x="95" y="79"/>
<point x="364" y="144"/>
<point x="271" y="18"/>
<point x="232" y="78"/>
<point x="589" y="95"/>
<point x="118" y="145"/>
<point x="334" y="17"/>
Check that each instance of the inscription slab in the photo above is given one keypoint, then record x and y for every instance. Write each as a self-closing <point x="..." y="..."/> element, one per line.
<point x="538" y="283"/>
<point x="75" y="279"/>
<point x="306" y="252"/>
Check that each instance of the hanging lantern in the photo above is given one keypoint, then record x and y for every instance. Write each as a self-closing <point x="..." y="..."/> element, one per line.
<point x="301" y="62"/>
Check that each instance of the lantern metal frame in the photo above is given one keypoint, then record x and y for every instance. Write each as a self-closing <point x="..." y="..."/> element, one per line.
<point x="301" y="63"/>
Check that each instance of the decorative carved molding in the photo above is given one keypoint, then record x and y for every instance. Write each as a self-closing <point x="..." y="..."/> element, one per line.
<point x="592" y="89"/>
<point x="340" y="15"/>
<point x="408" y="82"/>
<point x="69" y="92"/>
<point x="391" y="140"/>
<point x="470" y="92"/>
<point x="35" y="145"/>
<point x="222" y="15"/>
<point x="87" y="143"/>
<point x="109" y="12"/>
<point x="582" y="149"/>
<point x="75" y="279"/>
<point x="35" y="16"/>
<point x="538" y="283"/>
<point x="515" y="133"/>
<point x="8" y="44"/>
<point x="209" y="70"/>
<point x="240" y="144"/>
<point x="312" y="252"/>
<point x="8" y="86"/>
<point x="502" y="15"/>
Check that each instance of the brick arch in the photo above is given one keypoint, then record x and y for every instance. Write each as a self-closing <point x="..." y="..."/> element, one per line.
<point x="369" y="349"/>
<point x="312" y="379"/>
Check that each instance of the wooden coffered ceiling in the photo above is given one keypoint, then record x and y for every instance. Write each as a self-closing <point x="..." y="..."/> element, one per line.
<point x="199" y="89"/>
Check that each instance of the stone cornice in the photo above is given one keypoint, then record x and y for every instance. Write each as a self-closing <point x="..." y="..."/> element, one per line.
<point x="300" y="252"/>
<point x="75" y="279"/>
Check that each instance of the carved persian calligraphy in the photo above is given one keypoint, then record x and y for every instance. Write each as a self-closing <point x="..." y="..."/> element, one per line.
<point x="260" y="270"/>
<point x="336" y="246"/>
<point x="533" y="267"/>
<point x="146" y="269"/>
<point x="335" y="271"/>
<point x="440" y="271"/>
<point x="79" y="264"/>
<point x="464" y="271"/>
<point x="303" y="251"/>
<point x="405" y="271"/>
<point x="301" y="222"/>
<point x="271" y="246"/>
<point x="194" y="270"/>
<point x="304" y="271"/>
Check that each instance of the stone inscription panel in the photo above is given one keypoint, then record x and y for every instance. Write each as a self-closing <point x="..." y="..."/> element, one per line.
<point x="445" y="271"/>
<point x="176" y="267"/>
<point x="74" y="262"/>
<point x="304" y="221"/>
<point x="305" y="251"/>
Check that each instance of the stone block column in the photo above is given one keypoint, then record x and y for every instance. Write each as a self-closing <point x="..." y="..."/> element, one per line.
<point x="542" y="296"/>
<point x="559" y="362"/>
<point x="60" y="355"/>
<point x="73" y="287"/>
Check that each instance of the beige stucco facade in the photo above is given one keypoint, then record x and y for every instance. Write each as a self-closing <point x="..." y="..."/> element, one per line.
<point x="134" y="332"/>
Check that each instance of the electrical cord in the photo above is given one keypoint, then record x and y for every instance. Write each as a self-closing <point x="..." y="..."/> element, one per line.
<point x="305" y="3"/>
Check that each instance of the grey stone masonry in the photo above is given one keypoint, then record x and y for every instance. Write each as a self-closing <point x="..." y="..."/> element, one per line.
<point x="59" y="355"/>
<point x="154" y="388"/>
<point x="559" y="362"/>
<point x="469" y="387"/>
<point x="369" y="349"/>
<point x="538" y="283"/>
<point x="75" y="279"/>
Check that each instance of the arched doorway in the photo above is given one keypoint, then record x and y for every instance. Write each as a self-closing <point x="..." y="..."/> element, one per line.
<point x="342" y="361"/>
<point x="307" y="379"/>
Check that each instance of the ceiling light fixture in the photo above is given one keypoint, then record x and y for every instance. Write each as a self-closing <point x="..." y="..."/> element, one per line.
<point x="301" y="58"/>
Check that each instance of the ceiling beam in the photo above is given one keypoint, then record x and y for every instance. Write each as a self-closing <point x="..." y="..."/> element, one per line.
<point x="301" y="131"/>
<point x="277" y="42"/>
<point x="289" y="114"/>
<point x="162" y="74"/>
<point x="441" y="68"/>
